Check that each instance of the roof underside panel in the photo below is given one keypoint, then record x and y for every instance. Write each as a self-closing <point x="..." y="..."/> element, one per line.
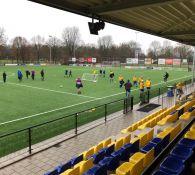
<point x="171" y="19"/>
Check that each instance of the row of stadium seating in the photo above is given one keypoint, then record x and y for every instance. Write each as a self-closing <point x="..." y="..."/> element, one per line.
<point x="180" y="159"/>
<point x="137" y="149"/>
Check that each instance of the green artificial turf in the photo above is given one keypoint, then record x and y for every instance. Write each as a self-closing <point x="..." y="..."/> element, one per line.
<point x="28" y="103"/>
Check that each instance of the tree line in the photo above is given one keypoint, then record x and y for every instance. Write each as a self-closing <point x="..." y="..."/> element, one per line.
<point x="60" y="50"/>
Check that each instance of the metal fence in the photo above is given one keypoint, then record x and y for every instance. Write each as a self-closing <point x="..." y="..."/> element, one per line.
<point x="27" y="137"/>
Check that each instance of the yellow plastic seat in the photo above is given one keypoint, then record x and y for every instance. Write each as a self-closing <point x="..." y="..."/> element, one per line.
<point x="134" y="126"/>
<point x="138" y="160"/>
<point x="143" y="139"/>
<point x="88" y="153"/>
<point x="190" y="135"/>
<point x="149" y="157"/>
<point x="152" y="123"/>
<point x="163" y="134"/>
<point x="126" y="130"/>
<point x="143" y="126"/>
<point x="118" y="144"/>
<point x="150" y="135"/>
<point x="98" y="147"/>
<point x="185" y="116"/>
<point x="126" y="168"/>
<point x="106" y="142"/>
<point x="126" y="139"/>
<point x="84" y="166"/>
<point x="74" y="171"/>
<point x="162" y="122"/>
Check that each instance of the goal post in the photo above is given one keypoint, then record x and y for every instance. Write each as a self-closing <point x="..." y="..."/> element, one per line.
<point x="90" y="77"/>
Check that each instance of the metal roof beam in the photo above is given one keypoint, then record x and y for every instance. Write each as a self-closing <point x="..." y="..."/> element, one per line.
<point x="177" y="33"/>
<point x="126" y="4"/>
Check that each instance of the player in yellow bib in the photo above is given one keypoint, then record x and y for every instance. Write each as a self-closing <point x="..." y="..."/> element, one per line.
<point x="135" y="81"/>
<point x="121" y="81"/>
<point x="148" y="84"/>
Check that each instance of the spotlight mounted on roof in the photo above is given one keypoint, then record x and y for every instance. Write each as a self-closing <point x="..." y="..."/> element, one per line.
<point x="95" y="27"/>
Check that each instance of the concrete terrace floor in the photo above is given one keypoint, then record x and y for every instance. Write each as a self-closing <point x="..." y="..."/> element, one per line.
<point x="47" y="160"/>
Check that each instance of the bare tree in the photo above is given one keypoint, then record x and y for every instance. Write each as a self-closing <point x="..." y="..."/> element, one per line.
<point x="104" y="44"/>
<point x="3" y="38"/>
<point x="20" y="46"/>
<point x="167" y="49"/>
<point x="54" y="44"/>
<point x="155" y="48"/>
<point x="71" y="39"/>
<point x="38" y="42"/>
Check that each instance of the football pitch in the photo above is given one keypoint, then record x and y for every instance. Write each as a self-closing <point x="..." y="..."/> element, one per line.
<point x="27" y="103"/>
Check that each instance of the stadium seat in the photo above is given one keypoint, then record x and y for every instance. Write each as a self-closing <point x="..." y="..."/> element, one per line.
<point x="84" y="165"/>
<point x="190" y="135"/>
<point x="98" y="147"/>
<point x="183" y="153"/>
<point x="106" y="142"/>
<point x="172" y="165"/>
<point x="118" y="144"/>
<point x="87" y="154"/>
<point x="74" y="171"/>
<point x="111" y="163"/>
<point x="64" y="167"/>
<point x="128" y="168"/>
<point x="159" y="172"/>
<point x="98" y="156"/>
<point x="54" y="172"/>
<point x="76" y="160"/>
<point x="126" y="139"/>
<point x="97" y="170"/>
<point x="143" y="139"/>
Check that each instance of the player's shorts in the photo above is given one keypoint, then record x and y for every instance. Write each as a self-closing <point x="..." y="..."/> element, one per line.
<point x="148" y="88"/>
<point x="78" y="86"/>
<point x="141" y="90"/>
<point x="128" y="90"/>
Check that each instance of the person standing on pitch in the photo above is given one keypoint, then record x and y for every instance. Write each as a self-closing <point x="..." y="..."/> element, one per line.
<point x="4" y="77"/>
<point x="70" y="73"/>
<point x="79" y="85"/>
<point x="27" y="73"/>
<point x="148" y="84"/>
<point x="111" y="76"/>
<point x="128" y="86"/>
<point x="33" y="75"/>
<point x="66" y="73"/>
<point x="20" y="75"/>
<point x="166" y="76"/>
<point x="121" y="81"/>
<point x="42" y="75"/>
<point x="104" y="73"/>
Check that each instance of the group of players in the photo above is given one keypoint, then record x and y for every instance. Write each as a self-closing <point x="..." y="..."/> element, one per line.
<point x="28" y="74"/>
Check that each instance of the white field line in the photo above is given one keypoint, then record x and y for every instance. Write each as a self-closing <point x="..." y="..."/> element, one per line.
<point x="50" y="90"/>
<point x="65" y="107"/>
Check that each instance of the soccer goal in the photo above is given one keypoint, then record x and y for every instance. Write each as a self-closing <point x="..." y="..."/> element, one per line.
<point x="90" y="77"/>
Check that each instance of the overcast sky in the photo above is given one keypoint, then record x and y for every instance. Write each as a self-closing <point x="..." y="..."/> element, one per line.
<point x="24" y="18"/>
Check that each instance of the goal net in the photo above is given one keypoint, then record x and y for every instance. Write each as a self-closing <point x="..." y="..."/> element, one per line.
<point x="90" y="77"/>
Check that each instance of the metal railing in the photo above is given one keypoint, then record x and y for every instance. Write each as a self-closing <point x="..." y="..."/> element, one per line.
<point x="30" y="136"/>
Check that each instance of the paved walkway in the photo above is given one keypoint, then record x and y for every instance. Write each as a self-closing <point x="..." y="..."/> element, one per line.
<point x="46" y="160"/>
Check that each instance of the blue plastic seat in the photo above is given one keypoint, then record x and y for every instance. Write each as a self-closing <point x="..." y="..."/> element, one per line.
<point x="183" y="153"/>
<point x="110" y="163"/>
<point x="99" y="156"/>
<point x="172" y="165"/>
<point x="76" y="160"/>
<point x="97" y="170"/>
<point x="159" y="172"/>
<point x="149" y="146"/>
<point x="64" y="167"/>
<point x="122" y="153"/>
<point x="156" y="140"/>
<point x="54" y="172"/>
<point x="108" y="150"/>
<point x="132" y="147"/>
<point x="188" y="143"/>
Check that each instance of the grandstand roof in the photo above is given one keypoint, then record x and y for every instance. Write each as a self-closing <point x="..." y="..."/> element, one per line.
<point x="171" y="19"/>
